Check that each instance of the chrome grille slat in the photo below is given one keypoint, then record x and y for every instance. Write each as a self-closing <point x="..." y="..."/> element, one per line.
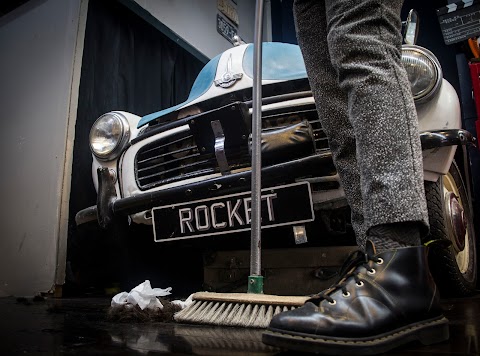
<point x="169" y="162"/>
<point x="176" y="169"/>
<point x="165" y="154"/>
<point x="177" y="157"/>
<point x="160" y="146"/>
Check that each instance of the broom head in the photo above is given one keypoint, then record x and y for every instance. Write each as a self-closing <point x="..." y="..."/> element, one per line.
<point x="237" y="309"/>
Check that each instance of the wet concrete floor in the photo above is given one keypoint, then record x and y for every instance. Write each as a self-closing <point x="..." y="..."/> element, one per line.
<point x="81" y="327"/>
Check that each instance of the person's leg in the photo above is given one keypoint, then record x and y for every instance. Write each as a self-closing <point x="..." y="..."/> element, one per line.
<point x="390" y="298"/>
<point x="311" y="26"/>
<point x="364" y="43"/>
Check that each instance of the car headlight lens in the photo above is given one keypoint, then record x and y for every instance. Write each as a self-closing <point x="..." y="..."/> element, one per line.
<point x="109" y="136"/>
<point x="424" y="72"/>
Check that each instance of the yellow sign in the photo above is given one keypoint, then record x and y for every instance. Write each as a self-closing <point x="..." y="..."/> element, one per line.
<point x="229" y="9"/>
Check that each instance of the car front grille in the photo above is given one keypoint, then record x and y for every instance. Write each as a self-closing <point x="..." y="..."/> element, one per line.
<point x="177" y="157"/>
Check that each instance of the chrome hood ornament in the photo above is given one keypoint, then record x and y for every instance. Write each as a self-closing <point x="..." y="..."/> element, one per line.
<point x="228" y="78"/>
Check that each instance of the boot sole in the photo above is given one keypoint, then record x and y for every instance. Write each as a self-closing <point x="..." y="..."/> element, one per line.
<point x="427" y="332"/>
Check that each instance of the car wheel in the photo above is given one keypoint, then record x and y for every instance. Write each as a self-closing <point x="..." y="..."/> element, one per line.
<point x="454" y="267"/>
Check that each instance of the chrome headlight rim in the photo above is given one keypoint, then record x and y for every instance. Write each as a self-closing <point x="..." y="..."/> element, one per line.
<point x="120" y="144"/>
<point x="426" y="96"/>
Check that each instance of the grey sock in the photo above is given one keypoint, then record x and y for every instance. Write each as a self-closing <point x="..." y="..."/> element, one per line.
<point x="396" y="235"/>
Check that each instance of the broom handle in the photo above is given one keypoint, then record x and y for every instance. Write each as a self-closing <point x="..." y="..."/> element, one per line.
<point x="255" y="247"/>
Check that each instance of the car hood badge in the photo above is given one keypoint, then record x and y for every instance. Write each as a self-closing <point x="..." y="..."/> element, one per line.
<point x="228" y="78"/>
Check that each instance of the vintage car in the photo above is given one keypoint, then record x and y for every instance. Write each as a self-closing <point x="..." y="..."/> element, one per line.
<point x="186" y="170"/>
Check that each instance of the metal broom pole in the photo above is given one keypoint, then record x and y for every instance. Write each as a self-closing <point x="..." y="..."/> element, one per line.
<point x="255" y="280"/>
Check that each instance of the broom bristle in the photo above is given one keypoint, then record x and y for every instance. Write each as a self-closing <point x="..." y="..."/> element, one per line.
<point x="236" y="309"/>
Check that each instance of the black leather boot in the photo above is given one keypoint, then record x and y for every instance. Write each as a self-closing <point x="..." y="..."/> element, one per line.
<point x="385" y="301"/>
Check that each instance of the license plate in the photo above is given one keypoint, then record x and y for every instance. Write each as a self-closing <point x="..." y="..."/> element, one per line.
<point x="283" y="205"/>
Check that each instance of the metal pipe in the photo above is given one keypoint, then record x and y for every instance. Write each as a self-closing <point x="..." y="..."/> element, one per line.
<point x="255" y="247"/>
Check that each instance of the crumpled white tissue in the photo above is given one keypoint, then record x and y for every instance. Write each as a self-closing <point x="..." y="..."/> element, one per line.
<point x="142" y="295"/>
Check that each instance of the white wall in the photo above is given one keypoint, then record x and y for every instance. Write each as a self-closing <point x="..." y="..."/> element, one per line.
<point x="196" y="21"/>
<point x="37" y="53"/>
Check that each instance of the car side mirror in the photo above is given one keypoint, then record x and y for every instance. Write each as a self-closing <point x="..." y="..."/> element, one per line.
<point x="411" y="27"/>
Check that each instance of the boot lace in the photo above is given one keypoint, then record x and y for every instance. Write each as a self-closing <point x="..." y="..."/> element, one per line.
<point x="348" y="270"/>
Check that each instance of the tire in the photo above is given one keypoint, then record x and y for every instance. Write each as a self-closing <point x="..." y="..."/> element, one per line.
<point x="454" y="268"/>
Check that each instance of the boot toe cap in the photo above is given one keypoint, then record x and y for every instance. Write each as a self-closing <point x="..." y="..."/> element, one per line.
<point x="297" y="320"/>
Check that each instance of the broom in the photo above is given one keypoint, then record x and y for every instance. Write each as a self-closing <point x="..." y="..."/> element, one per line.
<point x="251" y="309"/>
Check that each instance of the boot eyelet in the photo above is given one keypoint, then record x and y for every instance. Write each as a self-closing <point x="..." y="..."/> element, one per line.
<point x="371" y="272"/>
<point x="359" y="284"/>
<point x="379" y="261"/>
<point x="333" y="302"/>
<point x="346" y="295"/>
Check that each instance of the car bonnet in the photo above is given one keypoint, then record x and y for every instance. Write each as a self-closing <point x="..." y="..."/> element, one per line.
<point x="232" y="70"/>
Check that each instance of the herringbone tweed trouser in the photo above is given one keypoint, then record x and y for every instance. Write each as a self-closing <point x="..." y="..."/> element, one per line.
<point x="352" y="52"/>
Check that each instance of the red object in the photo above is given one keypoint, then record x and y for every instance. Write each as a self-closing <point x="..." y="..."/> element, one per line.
<point x="475" y="75"/>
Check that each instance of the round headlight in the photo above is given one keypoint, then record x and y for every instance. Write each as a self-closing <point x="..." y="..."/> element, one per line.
<point x="109" y="135"/>
<point x="424" y="72"/>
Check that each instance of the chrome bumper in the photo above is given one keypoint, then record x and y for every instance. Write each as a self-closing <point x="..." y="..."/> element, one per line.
<point x="108" y="205"/>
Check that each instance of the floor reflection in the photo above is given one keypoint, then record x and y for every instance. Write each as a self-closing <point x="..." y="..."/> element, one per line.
<point x="141" y="339"/>
<point x="208" y="341"/>
<point x="192" y="339"/>
<point x="471" y="314"/>
<point x="81" y="327"/>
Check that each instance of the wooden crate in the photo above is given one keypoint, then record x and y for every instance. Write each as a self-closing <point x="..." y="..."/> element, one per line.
<point x="291" y="271"/>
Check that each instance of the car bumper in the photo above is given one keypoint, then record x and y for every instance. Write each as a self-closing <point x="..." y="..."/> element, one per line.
<point x="108" y="206"/>
<point x="318" y="165"/>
